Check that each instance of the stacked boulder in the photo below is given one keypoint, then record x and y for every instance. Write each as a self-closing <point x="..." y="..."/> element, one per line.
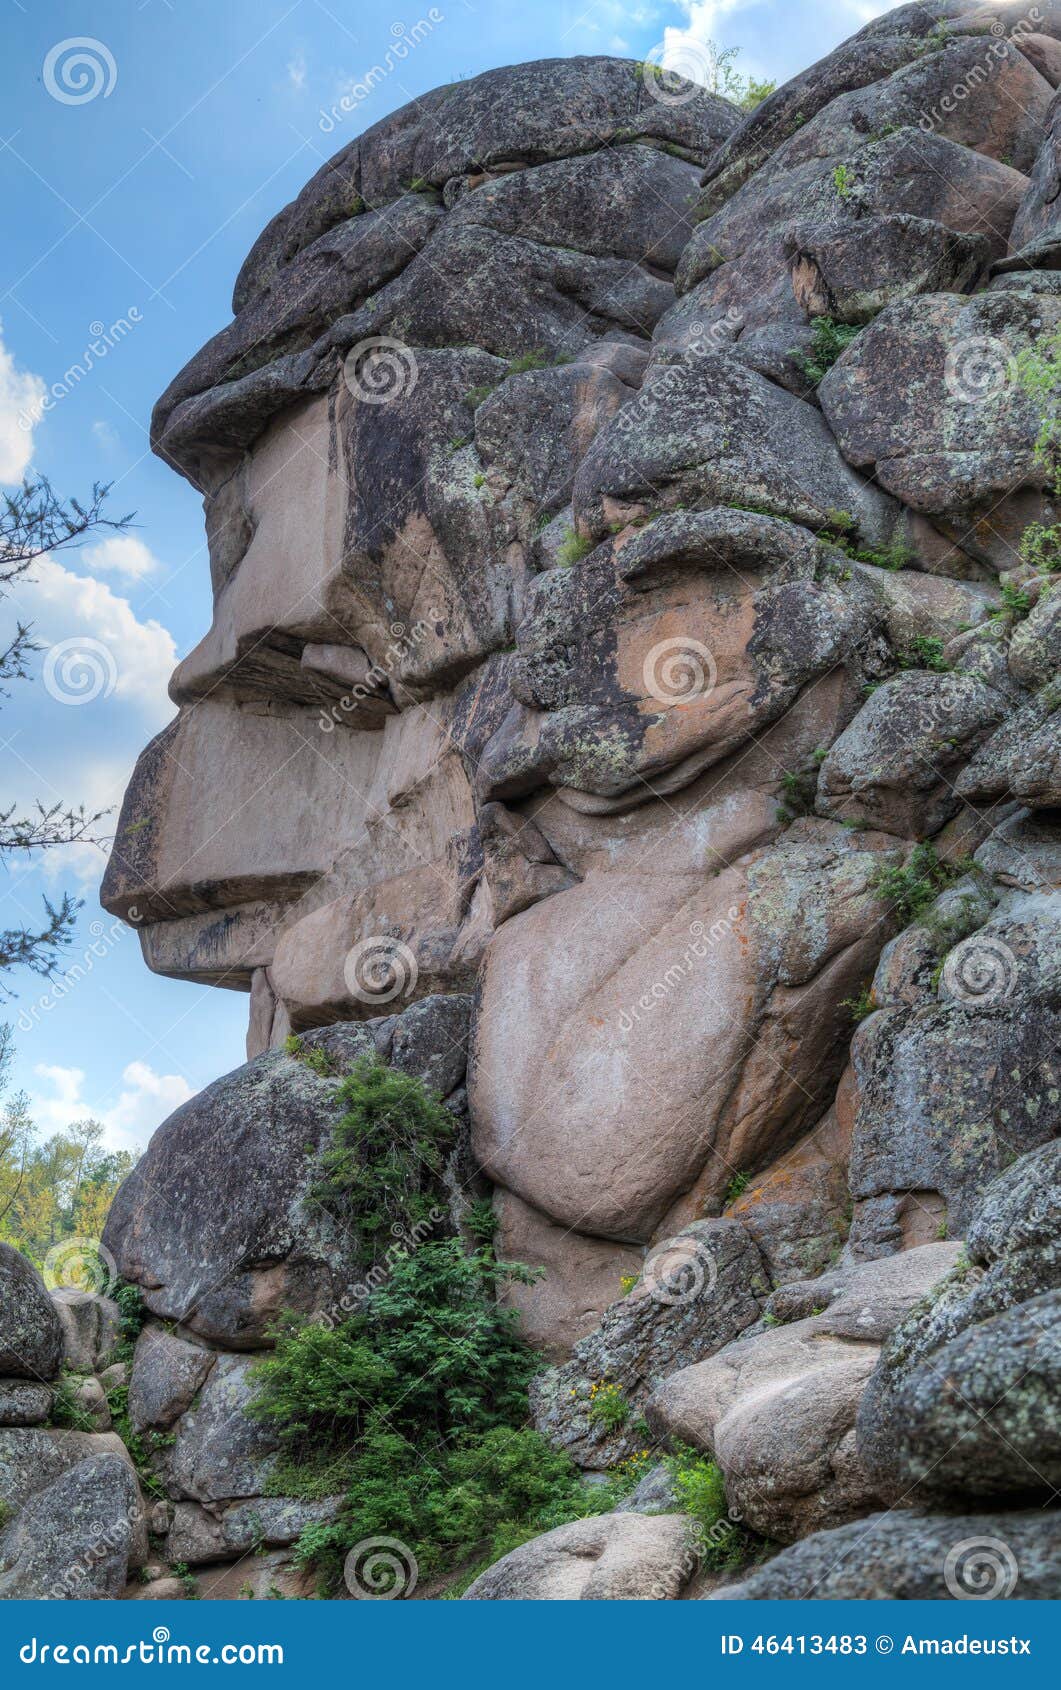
<point x="634" y="660"/>
<point x="73" y="1523"/>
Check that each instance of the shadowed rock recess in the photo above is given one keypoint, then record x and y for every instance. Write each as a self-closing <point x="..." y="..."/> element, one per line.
<point x="631" y="708"/>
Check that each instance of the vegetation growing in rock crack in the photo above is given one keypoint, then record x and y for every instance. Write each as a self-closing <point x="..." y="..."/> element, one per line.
<point x="378" y="1175"/>
<point x="573" y="549"/>
<point x="722" y="1542"/>
<point x="911" y="886"/>
<point x="416" y="1408"/>
<point x="829" y="339"/>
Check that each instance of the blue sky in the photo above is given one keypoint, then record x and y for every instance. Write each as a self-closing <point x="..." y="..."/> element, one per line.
<point x="126" y="217"/>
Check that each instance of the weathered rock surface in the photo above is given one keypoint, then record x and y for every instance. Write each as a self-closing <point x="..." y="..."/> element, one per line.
<point x="265" y="1247"/>
<point x="959" y="1406"/>
<point x="696" y="1292"/>
<point x="31" y="1340"/>
<point x="777" y="1408"/>
<point x="91" y="1329"/>
<point x="906" y="1556"/>
<point x="23" y="1403"/>
<point x="636" y="1099"/>
<point x="955" y="1086"/>
<point x="75" y="1538"/>
<point x="166" y="1375"/>
<point x="219" y="1451"/>
<point x="199" y="1535"/>
<point x="591" y="651"/>
<point x="614" y="1558"/>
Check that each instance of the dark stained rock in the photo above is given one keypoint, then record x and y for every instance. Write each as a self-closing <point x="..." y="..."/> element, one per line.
<point x="851" y="271"/>
<point x="906" y="172"/>
<point x="907" y="1556"/>
<point x="703" y="431"/>
<point x="927" y="395"/>
<point x="31" y="1339"/>
<point x="893" y="767"/>
<point x="955" y="1088"/>
<point x="524" y="114"/>
<point x="76" y="1538"/>
<point x="224" y="1254"/>
<point x="696" y="1292"/>
<point x="960" y="1404"/>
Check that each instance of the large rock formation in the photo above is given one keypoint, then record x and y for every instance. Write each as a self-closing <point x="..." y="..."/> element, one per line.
<point x="634" y="660"/>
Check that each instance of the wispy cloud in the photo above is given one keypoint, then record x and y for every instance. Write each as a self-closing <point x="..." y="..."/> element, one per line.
<point x="21" y="398"/>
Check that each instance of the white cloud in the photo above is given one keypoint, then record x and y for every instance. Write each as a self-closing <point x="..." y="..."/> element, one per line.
<point x="296" y="72"/>
<point x="106" y="437"/>
<point x="123" y="554"/>
<point x="21" y="405"/>
<point x="143" y="1103"/>
<point x="134" y="658"/>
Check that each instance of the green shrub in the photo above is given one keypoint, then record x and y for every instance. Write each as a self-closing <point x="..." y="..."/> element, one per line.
<point x="737" y="1186"/>
<point x="572" y="549"/>
<point x="829" y="340"/>
<point x="133" y="1315"/>
<point x="379" y="1174"/>
<point x="608" y="1406"/>
<point x="842" y="182"/>
<point x="1015" y="602"/>
<point x="926" y="652"/>
<point x="701" y="1493"/>
<point x="911" y="886"/>
<point x="1041" y="547"/>
<point x="533" y="360"/>
<point x="416" y="1407"/>
<point x="861" y="1005"/>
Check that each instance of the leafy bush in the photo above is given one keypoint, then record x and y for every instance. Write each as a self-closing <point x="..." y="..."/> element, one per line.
<point x="379" y="1173"/>
<point x="1015" y="602"/>
<point x="608" y="1406"/>
<point x="701" y="1492"/>
<point x="1041" y="547"/>
<point x="926" y="652"/>
<point x="417" y="1407"/>
<point x="737" y="1186"/>
<point x="134" y="1314"/>
<point x="829" y="340"/>
<point x="911" y="886"/>
<point x="572" y="549"/>
<point x="861" y="1005"/>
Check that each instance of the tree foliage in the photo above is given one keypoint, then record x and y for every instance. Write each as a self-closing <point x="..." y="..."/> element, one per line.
<point x="35" y="522"/>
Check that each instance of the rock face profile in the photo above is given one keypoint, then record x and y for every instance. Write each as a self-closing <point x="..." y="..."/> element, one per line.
<point x="631" y="708"/>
